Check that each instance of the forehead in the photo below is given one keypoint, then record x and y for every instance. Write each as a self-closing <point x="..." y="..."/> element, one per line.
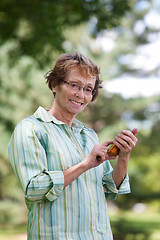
<point x="80" y="74"/>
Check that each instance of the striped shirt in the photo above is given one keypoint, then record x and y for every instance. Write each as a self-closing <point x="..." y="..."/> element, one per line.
<point x="40" y="149"/>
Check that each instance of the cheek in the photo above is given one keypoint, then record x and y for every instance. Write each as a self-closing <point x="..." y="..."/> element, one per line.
<point x="88" y="100"/>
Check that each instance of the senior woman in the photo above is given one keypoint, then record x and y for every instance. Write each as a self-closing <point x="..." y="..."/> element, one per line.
<point x="60" y="164"/>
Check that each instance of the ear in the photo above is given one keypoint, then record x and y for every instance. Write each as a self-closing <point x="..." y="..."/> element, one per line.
<point x="54" y="89"/>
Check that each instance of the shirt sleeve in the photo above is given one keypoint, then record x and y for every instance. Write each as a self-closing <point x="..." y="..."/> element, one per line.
<point x="111" y="192"/>
<point x="27" y="155"/>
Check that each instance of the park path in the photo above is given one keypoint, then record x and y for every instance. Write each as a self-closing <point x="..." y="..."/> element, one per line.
<point x="21" y="236"/>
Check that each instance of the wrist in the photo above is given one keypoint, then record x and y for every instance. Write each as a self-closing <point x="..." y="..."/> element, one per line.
<point x="124" y="156"/>
<point x="84" y="166"/>
<point x="123" y="160"/>
<point x="87" y="163"/>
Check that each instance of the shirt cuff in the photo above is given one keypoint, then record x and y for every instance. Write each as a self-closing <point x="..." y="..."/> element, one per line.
<point x="110" y="188"/>
<point x="57" y="178"/>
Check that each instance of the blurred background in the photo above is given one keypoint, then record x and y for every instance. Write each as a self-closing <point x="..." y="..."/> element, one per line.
<point x="123" y="38"/>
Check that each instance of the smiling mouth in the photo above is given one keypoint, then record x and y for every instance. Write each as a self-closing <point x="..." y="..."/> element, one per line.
<point x="77" y="103"/>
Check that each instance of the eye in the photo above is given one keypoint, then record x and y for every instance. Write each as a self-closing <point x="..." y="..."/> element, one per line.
<point x="88" y="90"/>
<point x="74" y="85"/>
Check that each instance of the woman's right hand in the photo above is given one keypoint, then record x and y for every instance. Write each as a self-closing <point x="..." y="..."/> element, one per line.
<point x="98" y="155"/>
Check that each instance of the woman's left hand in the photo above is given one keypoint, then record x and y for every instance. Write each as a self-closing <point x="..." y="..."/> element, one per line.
<point x="126" y="141"/>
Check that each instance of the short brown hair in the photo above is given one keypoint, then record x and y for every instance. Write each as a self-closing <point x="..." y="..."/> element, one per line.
<point x="65" y="62"/>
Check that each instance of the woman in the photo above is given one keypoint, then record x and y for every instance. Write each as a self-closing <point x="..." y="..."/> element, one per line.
<point x="60" y="164"/>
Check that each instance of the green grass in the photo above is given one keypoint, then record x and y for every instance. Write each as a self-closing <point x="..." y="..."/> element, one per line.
<point x="13" y="232"/>
<point x="131" y="226"/>
<point x="10" y="230"/>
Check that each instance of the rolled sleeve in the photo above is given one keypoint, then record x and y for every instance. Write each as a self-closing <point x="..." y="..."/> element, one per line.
<point x="48" y="184"/>
<point x="58" y="185"/>
<point x="110" y="189"/>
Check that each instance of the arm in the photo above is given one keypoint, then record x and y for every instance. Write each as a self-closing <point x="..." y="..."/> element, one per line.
<point x="125" y="141"/>
<point x="116" y="181"/>
<point x="92" y="161"/>
<point x="96" y="157"/>
<point x="28" y="158"/>
<point x="27" y="155"/>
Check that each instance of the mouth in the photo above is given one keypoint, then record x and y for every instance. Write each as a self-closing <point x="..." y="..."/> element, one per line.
<point x="76" y="103"/>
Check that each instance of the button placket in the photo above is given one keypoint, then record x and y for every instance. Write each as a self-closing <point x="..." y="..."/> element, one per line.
<point x="73" y="138"/>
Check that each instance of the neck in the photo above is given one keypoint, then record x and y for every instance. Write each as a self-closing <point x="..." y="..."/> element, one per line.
<point x="61" y="116"/>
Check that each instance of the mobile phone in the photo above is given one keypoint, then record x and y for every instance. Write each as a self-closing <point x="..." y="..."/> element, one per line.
<point x="114" y="150"/>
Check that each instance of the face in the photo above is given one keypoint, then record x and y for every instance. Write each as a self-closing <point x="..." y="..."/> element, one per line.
<point x="69" y="101"/>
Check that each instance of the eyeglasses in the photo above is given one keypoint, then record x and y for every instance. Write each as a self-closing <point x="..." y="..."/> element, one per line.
<point x="76" y="87"/>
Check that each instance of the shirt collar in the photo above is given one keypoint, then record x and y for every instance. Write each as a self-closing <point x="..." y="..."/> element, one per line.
<point x="45" y="116"/>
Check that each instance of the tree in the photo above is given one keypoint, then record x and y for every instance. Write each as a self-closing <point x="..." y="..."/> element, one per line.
<point x="37" y="26"/>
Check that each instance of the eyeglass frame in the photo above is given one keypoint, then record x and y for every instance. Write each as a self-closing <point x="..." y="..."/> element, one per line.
<point x="80" y="87"/>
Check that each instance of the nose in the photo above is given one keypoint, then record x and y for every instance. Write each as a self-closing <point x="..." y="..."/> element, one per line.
<point x="80" y="93"/>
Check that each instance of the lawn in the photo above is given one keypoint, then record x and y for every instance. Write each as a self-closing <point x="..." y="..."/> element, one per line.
<point x="131" y="226"/>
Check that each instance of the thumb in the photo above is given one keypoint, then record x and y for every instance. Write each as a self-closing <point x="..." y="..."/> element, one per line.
<point x="105" y="144"/>
<point x="134" y="131"/>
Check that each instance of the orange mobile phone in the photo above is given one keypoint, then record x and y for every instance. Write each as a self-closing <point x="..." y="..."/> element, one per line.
<point x="114" y="150"/>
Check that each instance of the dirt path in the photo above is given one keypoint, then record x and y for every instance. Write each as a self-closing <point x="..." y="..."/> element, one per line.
<point x="21" y="236"/>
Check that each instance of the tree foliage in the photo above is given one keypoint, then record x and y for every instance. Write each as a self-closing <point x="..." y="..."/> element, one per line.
<point x="37" y="26"/>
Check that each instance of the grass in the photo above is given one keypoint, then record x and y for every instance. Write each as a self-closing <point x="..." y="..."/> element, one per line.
<point x="13" y="232"/>
<point x="131" y="226"/>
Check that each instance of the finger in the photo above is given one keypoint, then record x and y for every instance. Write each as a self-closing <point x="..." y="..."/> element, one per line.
<point x="103" y="149"/>
<point x="111" y="157"/>
<point x="124" y="144"/>
<point x="128" y="137"/>
<point x="123" y="148"/>
<point x="102" y="156"/>
<point x="120" y="143"/>
<point x="124" y="139"/>
<point x="130" y="134"/>
<point x="107" y="143"/>
<point x="134" y="131"/>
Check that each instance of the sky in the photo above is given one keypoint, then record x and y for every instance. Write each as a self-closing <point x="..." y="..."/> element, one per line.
<point x="146" y="58"/>
<point x="130" y="87"/>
